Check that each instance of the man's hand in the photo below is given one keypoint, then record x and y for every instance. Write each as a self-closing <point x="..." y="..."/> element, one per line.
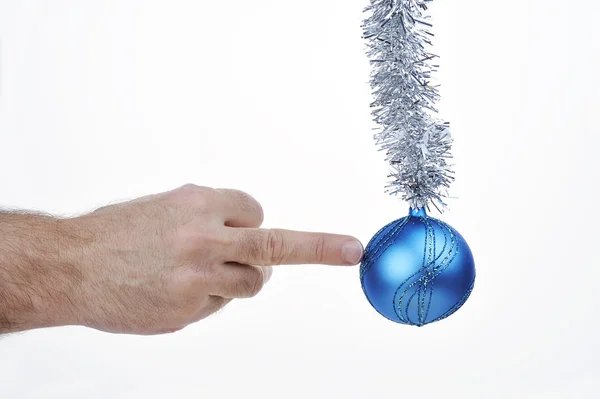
<point x="159" y="263"/>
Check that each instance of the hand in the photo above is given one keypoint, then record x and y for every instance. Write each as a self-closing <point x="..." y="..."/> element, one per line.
<point x="159" y="263"/>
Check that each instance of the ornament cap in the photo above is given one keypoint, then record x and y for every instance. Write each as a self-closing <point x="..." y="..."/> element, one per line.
<point x="418" y="212"/>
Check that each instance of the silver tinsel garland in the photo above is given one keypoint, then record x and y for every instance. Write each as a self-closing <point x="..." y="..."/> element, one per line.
<point x="417" y="144"/>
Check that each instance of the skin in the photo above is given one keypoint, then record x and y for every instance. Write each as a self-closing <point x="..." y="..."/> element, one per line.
<point x="149" y="266"/>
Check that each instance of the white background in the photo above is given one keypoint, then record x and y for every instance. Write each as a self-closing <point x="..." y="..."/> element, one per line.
<point x="108" y="100"/>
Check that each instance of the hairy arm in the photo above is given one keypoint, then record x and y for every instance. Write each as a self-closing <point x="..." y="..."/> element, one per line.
<point x="148" y="266"/>
<point x="36" y="287"/>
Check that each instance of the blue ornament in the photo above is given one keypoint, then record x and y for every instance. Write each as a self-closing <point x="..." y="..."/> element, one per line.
<point x="417" y="270"/>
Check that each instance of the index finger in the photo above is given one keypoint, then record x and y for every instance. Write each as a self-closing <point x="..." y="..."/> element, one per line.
<point x="266" y="247"/>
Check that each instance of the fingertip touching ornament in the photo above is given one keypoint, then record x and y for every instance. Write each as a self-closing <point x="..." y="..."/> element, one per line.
<point x="417" y="270"/>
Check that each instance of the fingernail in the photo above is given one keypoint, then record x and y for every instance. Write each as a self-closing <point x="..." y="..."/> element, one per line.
<point x="352" y="252"/>
<point x="267" y="272"/>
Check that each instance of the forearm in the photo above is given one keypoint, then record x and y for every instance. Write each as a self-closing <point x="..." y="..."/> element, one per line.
<point x="36" y="285"/>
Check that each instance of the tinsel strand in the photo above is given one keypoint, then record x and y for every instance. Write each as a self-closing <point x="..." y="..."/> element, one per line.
<point x="416" y="142"/>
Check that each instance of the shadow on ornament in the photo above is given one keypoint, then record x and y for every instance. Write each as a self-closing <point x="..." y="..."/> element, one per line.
<point x="417" y="270"/>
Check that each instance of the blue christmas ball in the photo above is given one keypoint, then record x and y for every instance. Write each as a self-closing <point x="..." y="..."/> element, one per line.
<point x="417" y="270"/>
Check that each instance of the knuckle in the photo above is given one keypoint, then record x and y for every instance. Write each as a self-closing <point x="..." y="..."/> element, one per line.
<point x="193" y="191"/>
<point x="190" y="188"/>
<point x="275" y="247"/>
<point x="244" y="198"/>
<point x="246" y="202"/>
<point x="250" y="204"/>
<point x="259" y="211"/>
<point x="196" y="198"/>
<point x="237" y="194"/>
<point x="253" y="282"/>
<point x="320" y="248"/>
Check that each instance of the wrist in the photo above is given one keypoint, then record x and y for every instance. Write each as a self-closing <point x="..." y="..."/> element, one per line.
<point x="71" y="275"/>
<point x="37" y="287"/>
<point x="80" y="248"/>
